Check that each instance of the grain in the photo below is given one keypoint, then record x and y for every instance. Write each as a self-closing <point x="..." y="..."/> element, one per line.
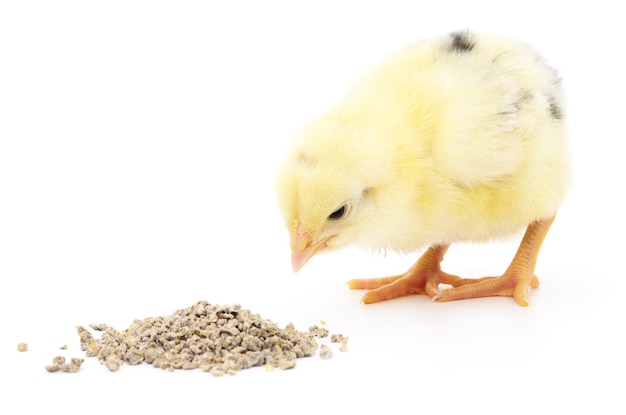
<point x="22" y="347"/>
<point x="216" y="339"/>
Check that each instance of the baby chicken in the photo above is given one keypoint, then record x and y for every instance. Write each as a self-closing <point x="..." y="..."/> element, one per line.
<point x="456" y="138"/>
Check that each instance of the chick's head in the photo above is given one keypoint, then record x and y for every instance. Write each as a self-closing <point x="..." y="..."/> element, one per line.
<point x="324" y="198"/>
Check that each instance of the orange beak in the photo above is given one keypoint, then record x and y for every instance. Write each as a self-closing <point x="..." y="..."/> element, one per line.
<point x="302" y="249"/>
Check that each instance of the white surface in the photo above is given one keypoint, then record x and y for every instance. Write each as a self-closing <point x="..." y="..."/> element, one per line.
<point x="138" y="142"/>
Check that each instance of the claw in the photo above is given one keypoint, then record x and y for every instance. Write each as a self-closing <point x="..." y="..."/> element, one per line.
<point x="425" y="276"/>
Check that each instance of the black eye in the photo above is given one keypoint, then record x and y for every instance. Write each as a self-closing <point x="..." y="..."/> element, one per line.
<point x="339" y="213"/>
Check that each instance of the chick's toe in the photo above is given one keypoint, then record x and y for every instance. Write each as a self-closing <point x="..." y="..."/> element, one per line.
<point x="422" y="278"/>
<point x="516" y="280"/>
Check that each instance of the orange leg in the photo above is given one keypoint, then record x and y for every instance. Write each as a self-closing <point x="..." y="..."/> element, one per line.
<point x="422" y="278"/>
<point x="516" y="280"/>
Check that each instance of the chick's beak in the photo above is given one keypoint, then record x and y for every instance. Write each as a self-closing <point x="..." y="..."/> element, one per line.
<point x="302" y="249"/>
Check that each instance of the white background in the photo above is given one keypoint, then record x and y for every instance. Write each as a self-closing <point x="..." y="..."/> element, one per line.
<point x="138" y="143"/>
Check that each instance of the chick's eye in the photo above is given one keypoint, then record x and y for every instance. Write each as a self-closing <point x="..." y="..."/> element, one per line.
<point x="339" y="213"/>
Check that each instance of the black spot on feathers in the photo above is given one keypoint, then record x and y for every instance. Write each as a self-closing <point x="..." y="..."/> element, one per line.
<point x="461" y="42"/>
<point x="555" y="109"/>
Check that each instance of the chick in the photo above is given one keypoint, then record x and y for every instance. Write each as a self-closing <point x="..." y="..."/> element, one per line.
<point x="459" y="137"/>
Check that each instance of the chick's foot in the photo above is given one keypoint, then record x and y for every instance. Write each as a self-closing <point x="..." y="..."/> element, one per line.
<point x="517" y="279"/>
<point x="422" y="278"/>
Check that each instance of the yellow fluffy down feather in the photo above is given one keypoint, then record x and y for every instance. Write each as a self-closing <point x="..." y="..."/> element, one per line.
<point x="459" y="137"/>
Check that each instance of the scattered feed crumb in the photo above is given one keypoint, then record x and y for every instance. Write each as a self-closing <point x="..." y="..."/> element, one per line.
<point x="325" y="352"/>
<point x="323" y="322"/>
<point x="64" y="347"/>
<point x="216" y="339"/>
<point x="53" y="368"/>
<point x="77" y="361"/>
<point x="22" y="347"/>
<point x="217" y="371"/>
<point x="59" y="363"/>
<point x="99" y="327"/>
<point x="286" y="364"/>
<point x="113" y="362"/>
<point x="318" y="331"/>
<point x="340" y="338"/>
<point x="70" y="368"/>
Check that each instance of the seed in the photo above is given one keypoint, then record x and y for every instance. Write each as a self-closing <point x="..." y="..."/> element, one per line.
<point x="22" y="347"/>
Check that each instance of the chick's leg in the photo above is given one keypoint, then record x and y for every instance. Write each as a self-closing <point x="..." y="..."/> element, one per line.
<point x="516" y="280"/>
<point x="422" y="278"/>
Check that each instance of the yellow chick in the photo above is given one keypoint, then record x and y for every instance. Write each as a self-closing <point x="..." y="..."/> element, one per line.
<point x="456" y="138"/>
